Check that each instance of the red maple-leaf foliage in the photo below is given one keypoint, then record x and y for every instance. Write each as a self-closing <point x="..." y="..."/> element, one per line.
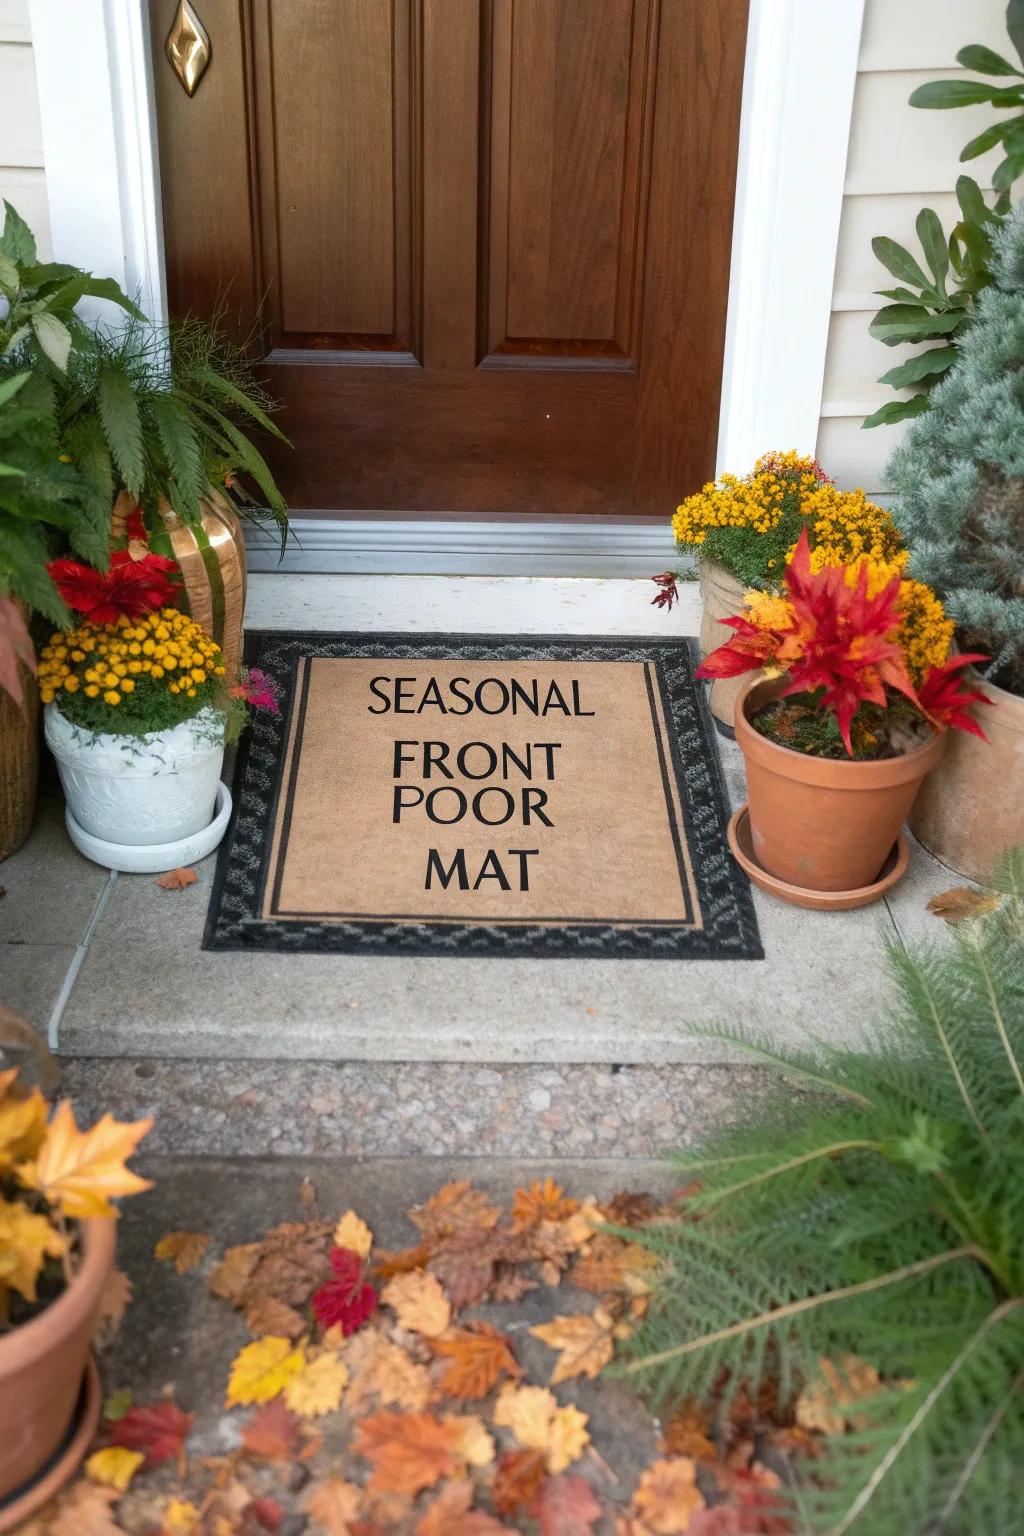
<point x="946" y="702"/>
<point x="158" y="1430"/>
<point x="669" y="593"/>
<point x="841" y="641"/>
<point x="347" y="1301"/>
<point x="130" y="588"/>
<point x="846" y="640"/>
<point x="749" y="649"/>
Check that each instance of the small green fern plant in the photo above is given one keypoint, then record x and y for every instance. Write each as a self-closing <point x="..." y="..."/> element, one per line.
<point x="164" y="413"/>
<point x="879" y="1214"/>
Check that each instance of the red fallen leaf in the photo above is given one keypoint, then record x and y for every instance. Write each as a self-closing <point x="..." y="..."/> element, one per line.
<point x="159" y="1431"/>
<point x="347" y="1301"/>
<point x="722" y="1520"/>
<point x="264" y="1514"/>
<point x="517" y="1479"/>
<point x="176" y="879"/>
<point x="272" y="1433"/>
<point x="565" y="1506"/>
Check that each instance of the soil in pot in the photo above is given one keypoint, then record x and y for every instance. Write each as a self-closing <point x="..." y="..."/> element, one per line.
<point x="42" y="1368"/>
<point x="820" y="823"/>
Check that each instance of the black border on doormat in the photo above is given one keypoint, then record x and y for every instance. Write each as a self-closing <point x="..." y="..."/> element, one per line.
<point x="730" y="929"/>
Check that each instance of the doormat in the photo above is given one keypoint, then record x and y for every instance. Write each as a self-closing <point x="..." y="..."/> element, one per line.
<point x="489" y="796"/>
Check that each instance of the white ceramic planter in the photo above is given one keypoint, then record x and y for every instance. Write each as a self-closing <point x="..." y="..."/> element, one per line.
<point x="133" y="790"/>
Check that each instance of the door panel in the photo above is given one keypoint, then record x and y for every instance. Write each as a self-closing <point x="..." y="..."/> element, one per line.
<point x="566" y="132"/>
<point x="487" y="241"/>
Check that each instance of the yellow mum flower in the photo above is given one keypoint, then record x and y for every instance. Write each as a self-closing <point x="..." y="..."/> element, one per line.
<point x="111" y="696"/>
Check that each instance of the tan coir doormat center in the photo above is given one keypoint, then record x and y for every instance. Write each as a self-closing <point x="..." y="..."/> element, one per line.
<point x="459" y="795"/>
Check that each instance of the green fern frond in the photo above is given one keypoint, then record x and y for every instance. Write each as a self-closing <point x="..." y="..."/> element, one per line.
<point x="877" y="1213"/>
<point x="119" y="412"/>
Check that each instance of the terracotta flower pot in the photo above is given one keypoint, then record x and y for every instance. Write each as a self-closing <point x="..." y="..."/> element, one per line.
<point x="42" y="1365"/>
<point x="820" y="823"/>
<point x="213" y="568"/>
<point x="721" y="598"/>
<point x="972" y="807"/>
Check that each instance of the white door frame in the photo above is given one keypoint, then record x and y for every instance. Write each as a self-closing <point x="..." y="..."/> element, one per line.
<point x="94" y="67"/>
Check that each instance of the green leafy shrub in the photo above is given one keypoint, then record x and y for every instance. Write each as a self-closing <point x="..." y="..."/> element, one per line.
<point x="958" y="478"/>
<point x="878" y="1214"/>
<point x="940" y="302"/>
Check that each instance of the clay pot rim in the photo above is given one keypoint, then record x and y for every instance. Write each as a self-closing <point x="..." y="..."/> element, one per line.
<point x="76" y="1302"/>
<point x="832" y="773"/>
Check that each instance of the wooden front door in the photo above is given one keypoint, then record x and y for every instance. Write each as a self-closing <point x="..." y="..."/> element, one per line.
<point x="488" y="240"/>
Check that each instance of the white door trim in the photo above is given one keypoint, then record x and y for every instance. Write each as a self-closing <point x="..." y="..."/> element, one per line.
<point x="95" y="79"/>
<point x="798" y="84"/>
<point x="99" y="139"/>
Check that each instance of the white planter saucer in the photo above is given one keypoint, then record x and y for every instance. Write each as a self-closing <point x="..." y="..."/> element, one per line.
<point x="153" y="858"/>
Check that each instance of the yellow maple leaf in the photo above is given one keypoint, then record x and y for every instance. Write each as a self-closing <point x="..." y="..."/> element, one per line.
<point x="80" y="1171"/>
<point x="527" y="1412"/>
<point x="263" y="1369"/>
<point x="22" y="1122"/>
<point x="419" y="1301"/>
<point x="568" y="1438"/>
<point x="353" y="1233"/>
<point x="667" y="1495"/>
<point x="586" y="1344"/>
<point x="474" y="1445"/>
<point x="114" y="1467"/>
<point x="318" y="1387"/>
<point x="26" y="1239"/>
<point x="180" y="1518"/>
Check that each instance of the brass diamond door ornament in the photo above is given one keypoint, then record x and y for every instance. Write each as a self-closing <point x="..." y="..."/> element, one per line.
<point x="188" y="47"/>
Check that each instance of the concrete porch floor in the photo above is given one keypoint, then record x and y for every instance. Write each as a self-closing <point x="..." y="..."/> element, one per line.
<point x="110" y="966"/>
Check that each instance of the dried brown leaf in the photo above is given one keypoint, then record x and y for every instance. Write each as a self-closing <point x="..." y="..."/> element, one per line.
<point x="176" y="879"/>
<point x="185" y="1250"/>
<point x="961" y="903"/>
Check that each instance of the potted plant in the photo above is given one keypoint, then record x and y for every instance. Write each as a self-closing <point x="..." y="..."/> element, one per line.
<point x="57" y="1243"/>
<point x="840" y="732"/>
<point x="138" y="712"/>
<point x="958" y="480"/>
<point x="154" y="419"/>
<point x="43" y="498"/>
<point x="743" y="530"/>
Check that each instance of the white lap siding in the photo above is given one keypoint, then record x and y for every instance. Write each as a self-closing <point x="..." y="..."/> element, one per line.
<point x="901" y="159"/>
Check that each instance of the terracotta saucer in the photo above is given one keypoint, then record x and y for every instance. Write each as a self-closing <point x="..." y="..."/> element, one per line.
<point x="740" y="842"/>
<point x="65" y="1460"/>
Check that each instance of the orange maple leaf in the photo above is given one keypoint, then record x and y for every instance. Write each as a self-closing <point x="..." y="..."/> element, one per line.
<point x="408" y="1451"/>
<point x="184" y="1250"/>
<point x="518" y="1476"/>
<point x="455" y="1207"/>
<point x="272" y="1433"/>
<point x="81" y="1171"/>
<point x="541" y="1202"/>
<point x="451" y="1514"/>
<point x="477" y="1356"/>
<point x="667" y="1495"/>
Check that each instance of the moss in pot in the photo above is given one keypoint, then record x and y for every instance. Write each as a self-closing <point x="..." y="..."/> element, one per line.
<point x="856" y="689"/>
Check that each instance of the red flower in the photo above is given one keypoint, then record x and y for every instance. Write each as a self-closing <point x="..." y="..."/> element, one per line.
<point x="946" y="703"/>
<point x="844" y="641"/>
<point x="346" y="1302"/>
<point x="130" y="587"/>
<point x="669" y="593"/>
<point x="135" y="527"/>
